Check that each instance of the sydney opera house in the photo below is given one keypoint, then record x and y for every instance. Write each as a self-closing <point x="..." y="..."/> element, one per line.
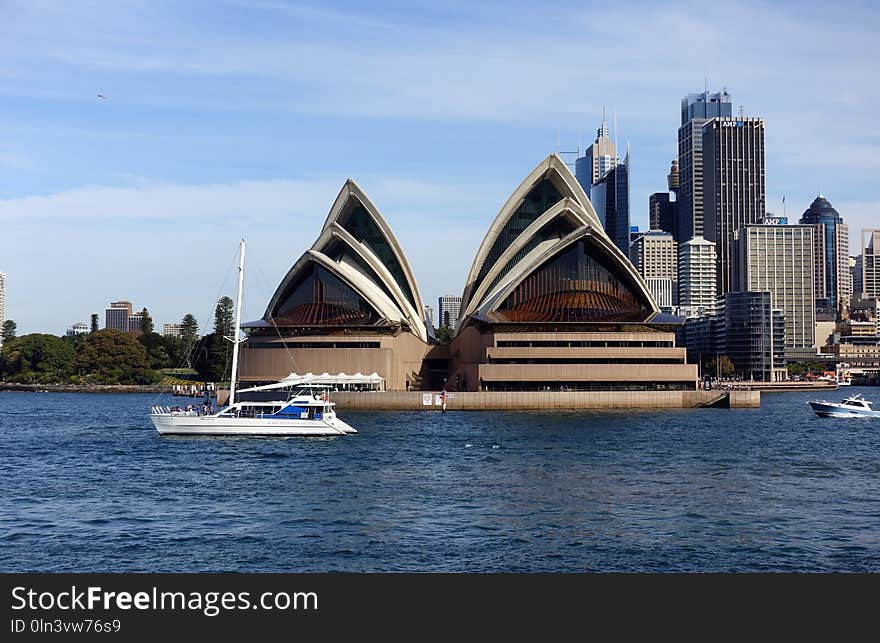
<point x="549" y="303"/>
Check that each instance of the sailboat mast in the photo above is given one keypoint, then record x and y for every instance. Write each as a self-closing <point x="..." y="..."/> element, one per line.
<point x="237" y="326"/>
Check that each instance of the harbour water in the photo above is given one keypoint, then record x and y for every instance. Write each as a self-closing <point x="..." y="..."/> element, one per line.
<point x="88" y="485"/>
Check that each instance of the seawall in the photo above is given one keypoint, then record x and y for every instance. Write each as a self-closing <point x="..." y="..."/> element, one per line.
<point x="541" y="400"/>
<point x="83" y="388"/>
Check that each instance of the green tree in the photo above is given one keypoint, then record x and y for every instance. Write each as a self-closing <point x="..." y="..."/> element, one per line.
<point x="154" y="344"/>
<point x="173" y="347"/>
<point x="113" y="357"/>
<point x="444" y="334"/>
<point x="220" y="355"/>
<point x="7" y="331"/>
<point x="94" y="322"/>
<point x="201" y="356"/>
<point x="189" y="335"/>
<point x="36" y="358"/>
<point x="146" y="322"/>
<point x="720" y="364"/>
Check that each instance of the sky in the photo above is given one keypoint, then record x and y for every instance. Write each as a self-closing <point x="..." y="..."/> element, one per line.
<point x="228" y="119"/>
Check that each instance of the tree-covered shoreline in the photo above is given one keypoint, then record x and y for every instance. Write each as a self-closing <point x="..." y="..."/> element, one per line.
<point x="112" y="357"/>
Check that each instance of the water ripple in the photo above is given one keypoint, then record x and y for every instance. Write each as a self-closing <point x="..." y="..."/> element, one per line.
<point x="87" y="485"/>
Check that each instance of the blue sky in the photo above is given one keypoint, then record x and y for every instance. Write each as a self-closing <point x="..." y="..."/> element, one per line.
<point x="228" y="119"/>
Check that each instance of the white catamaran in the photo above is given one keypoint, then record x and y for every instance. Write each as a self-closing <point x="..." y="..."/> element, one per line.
<point x="306" y="412"/>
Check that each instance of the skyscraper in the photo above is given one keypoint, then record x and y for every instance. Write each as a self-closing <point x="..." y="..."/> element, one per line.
<point x="779" y="259"/>
<point x="598" y="159"/>
<point x="696" y="277"/>
<point x="831" y="238"/>
<point x="733" y="186"/>
<point x="655" y="256"/>
<point x="696" y="109"/>
<point x="116" y="316"/>
<point x="448" y="311"/>
<point x="661" y="213"/>
<point x="857" y="276"/>
<point x="429" y="316"/>
<point x="871" y="263"/>
<point x="610" y="197"/>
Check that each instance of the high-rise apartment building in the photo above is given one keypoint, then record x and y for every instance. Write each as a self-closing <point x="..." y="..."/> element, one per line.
<point x="610" y="198"/>
<point x="448" y="311"/>
<point x="871" y="263"/>
<point x="696" y="109"/>
<point x="745" y="328"/>
<point x="733" y="187"/>
<point x="751" y="332"/>
<point x="833" y="281"/>
<point x="598" y="159"/>
<point x="696" y="277"/>
<point x="655" y="256"/>
<point x="116" y="316"/>
<point x="779" y="259"/>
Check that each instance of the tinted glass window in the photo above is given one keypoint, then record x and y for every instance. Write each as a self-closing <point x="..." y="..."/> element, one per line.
<point x="320" y="298"/>
<point x="577" y="285"/>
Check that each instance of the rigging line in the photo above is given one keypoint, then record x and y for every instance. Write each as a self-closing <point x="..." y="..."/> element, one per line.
<point x="264" y="280"/>
<point x="216" y="299"/>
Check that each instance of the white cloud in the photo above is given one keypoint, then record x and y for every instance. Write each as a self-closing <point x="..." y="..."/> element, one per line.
<point x="168" y="247"/>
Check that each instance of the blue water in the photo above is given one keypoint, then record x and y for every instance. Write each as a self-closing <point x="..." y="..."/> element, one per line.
<point x="88" y="485"/>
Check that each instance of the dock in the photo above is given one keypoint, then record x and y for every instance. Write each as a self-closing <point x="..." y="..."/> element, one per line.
<point x="544" y="400"/>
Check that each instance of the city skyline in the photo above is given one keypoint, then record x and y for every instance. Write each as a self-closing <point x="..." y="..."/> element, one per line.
<point x="208" y="131"/>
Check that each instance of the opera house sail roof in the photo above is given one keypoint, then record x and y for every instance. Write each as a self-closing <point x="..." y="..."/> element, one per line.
<point x="546" y="258"/>
<point x="355" y="274"/>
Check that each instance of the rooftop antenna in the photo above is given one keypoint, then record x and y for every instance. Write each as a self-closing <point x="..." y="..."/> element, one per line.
<point x="579" y="142"/>
<point x="740" y="111"/>
<point x="615" y="128"/>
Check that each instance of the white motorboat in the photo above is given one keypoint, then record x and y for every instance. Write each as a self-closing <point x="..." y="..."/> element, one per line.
<point x="307" y="411"/>
<point x="855" y="406"/>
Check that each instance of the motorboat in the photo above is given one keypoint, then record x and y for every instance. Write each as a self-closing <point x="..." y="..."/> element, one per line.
<point x="854" y="406"/>
<point x="304" y="410"/>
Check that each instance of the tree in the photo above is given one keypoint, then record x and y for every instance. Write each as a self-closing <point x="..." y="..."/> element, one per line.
<point x="223" y="322"/>
<point x="7" y="331"/>
<point x="220" y="354"/>
<point x="720" y="365"/>
<point x="114" y="357"/>
<point x="36" y="358"/>
<point x="189" y="334"/>
<point x="444" y="334"/>
<point x="146" y="322"/>
<point x="94" y="322"/>
<point x="156" y="351"/>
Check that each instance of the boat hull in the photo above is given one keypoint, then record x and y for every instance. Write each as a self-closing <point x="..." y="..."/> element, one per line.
<point x="823" y="409"/>
<point x="171" y="424"/>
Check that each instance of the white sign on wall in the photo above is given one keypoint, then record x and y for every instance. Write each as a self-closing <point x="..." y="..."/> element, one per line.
<point x="426" y="399"/>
